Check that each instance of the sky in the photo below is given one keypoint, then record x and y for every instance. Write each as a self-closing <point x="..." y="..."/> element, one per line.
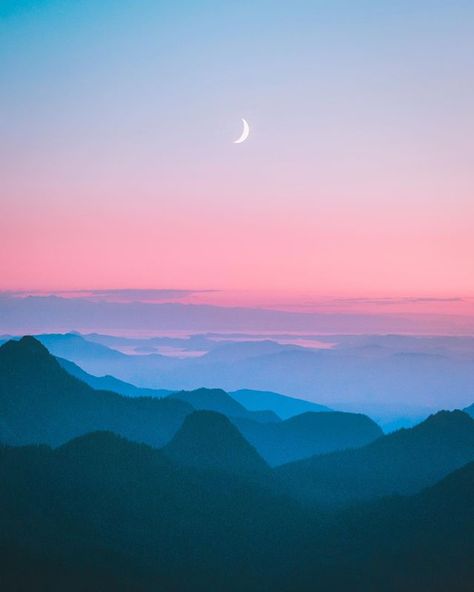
<point x="118" y="168"/>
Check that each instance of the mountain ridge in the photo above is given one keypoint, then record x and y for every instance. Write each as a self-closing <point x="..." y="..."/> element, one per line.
<point x="208" y="439"/>
<point x="42" y="403"/>
<point x="403" y="462"/>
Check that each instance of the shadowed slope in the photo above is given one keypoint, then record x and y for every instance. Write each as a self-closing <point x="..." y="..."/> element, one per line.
<point x="422" y="543"/>
<point x="403" y="462"/>
<point x="41" y="403"/>
<point x="110" y="383"/>
<point x="220" y="401"/>
<point x="209" y="440"/>
<point x="103" y="499"/>
<point x="284" y="406"/>
<point x="310" y="433"/>
<point x="469" y="410"/>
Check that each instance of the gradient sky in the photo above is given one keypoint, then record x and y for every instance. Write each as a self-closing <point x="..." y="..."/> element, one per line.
<point x="117" y="167"/>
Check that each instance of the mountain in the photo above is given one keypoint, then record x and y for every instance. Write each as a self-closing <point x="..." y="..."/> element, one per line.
<point x="110" y="383"/>
<point x="99" y="360"/>
<point x="235" y="351"/>
<point x="73" y="346"/>
<point x="391" y="383"/>
<point x="42" y="403"/>
<point x="451" y="494"/>
<point x="469" y="410"/>
<point x="403" y="462"/>
<point x="421" y="543"/>
<point x="4" y="339"/>
<point x="307" y="434"/>
<point x="220" y="401"/>
<point x="103" y="513"/>
<point x="209" y="440"/>
<point x="387" y="377"/>
<point x="284" y="406"/>
<point x="429" y="533"/>
<point x="200" y="509"/>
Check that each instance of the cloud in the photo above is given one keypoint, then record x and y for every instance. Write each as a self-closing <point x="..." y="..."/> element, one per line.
<point x="144" y="295"/>
<point x="113" y="295"/>
<point x="402" y="300"/>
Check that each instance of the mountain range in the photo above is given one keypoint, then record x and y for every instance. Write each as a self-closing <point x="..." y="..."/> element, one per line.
<point x="281" y="405"/>
<point x="284" y="406"/>
<point x="208" y="440"/>
<point x="101" y="513"/>
<point x="401" y="463"/>
<point x="387" y="377"/>
<point x="41" y="402"/>
<point x="308" y="434"/>
<point x="102" y="491"/>
<point x="219" y="400"/>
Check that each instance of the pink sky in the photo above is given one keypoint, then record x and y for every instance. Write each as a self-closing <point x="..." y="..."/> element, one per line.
<point x="118" y="168"/>
<point x="338" y="248"/>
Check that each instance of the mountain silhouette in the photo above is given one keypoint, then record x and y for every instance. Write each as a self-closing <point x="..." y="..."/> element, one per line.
<point x="42" y="403"/>
<point x="373" y="373"/>
<point x="209" y="440"/>
<point x="110" y="383"/>
<point x="403" y="462"/>
<point x="284" y="406"/>
<point x="298" y="437"/>
<point x="100" y="360"/>
<point x="101" y="512"/>
<point x="469" y="410"/>
<point x="200" y="508"/>
<point x="307" y="434"/>
<point x="419" y="543"/>
<point x="101" y="508"/>
<point x="73" y="345"/>
<point x="220" y="401"/>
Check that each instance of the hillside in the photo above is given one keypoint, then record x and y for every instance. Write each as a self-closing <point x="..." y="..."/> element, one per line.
<point x="284" y="406"/>
<point x="209" y="440"/>
<point x="42" y="403"/>
<point x="100" y="507"/>
<point x="110" y="383"/>
<point x="421" y="543"/>
<point x="403" y="462"/>
<point x="102" y="513"/>
<point x="220" y="401"/>
<point x="469" y="410"/>
<point x="310" y="433"/>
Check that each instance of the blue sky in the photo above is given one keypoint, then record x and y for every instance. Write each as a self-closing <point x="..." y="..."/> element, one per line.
<point x="361" y="117"/>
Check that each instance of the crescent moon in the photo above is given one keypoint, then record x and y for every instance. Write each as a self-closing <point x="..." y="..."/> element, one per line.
<point x="245" y="133"/>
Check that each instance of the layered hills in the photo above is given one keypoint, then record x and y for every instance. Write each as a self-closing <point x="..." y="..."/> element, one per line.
<point x="400" y="463"/>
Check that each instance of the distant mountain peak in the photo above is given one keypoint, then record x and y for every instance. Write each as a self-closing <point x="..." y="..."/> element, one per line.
<point x="100" y="438"/>
<point x="215" y="399"/>
<point x="29" y="354"/>
<point x="28" y="343"/>
<point x="283" y="405"/>
<point x="208" y="440"/>
<point x="403" y="462"/>
<point x="42" y="403"/>
<point x="448" y="419"/>
<point x="313" y="419"/>
<point x="469" y="410"/>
